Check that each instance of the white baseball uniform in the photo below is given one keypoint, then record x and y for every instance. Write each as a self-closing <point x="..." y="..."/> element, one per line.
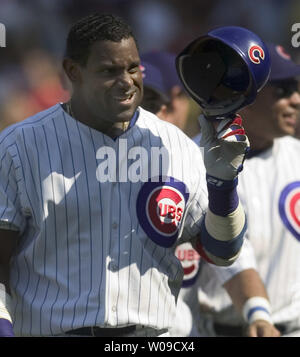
<point x="269" y="188"/>
<point x="94" y="252"/>
<point x="202" y="290"/>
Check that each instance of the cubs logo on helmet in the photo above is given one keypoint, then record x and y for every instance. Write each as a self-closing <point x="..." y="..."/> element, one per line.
<point x="160" y="209"/>
<point x="190" y="260"/>
<point x="256" y="53"/>
<point x="289" y="208"/>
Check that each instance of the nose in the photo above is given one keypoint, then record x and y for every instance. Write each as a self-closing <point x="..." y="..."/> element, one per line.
<point x="295" y="100"/>
<point x="125" y="80"/>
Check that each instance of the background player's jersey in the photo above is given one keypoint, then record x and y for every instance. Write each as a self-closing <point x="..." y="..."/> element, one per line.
<point x="202" y="294"/>
<point x="94" y="252"/>
<point x="269" y="188"/>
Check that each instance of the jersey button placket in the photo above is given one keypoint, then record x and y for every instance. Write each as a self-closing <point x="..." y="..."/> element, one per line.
<point x="114" y="251"/>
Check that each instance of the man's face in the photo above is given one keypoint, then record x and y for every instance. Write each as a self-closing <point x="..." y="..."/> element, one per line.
<point x="111" y="81"/>
<point x="287" y="107"/>
<point x="275" y="112"/>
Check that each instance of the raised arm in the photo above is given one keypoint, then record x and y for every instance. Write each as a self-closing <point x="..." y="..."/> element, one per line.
<point x="224" y="147"/>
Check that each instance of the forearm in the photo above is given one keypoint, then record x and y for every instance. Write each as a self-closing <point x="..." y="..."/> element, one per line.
<point x="250" y="298"/>
<point x="243" y="286"/>
<point x="223" y="227"/>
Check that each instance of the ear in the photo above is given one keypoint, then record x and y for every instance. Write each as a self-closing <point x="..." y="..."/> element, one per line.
<point x="72" y="70"/>
<point x="163" y="112"/>
<point x="175" y="91"/>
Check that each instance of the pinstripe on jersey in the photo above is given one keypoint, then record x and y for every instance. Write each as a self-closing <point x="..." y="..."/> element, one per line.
<point x="83" y="257"/>
<point x="277" y="250"/>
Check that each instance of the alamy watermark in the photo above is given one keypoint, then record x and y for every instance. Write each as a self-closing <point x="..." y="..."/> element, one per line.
<point x="135" y="164"/>
<point x="296" y="36"/>
<point x="2" y="35"/>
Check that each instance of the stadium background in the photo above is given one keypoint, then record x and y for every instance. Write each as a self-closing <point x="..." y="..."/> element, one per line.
<point x="30" y="64"/>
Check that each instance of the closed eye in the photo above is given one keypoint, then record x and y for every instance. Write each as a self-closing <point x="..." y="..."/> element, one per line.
<point x="135" y="67"/>
<point x="108" y="70"/>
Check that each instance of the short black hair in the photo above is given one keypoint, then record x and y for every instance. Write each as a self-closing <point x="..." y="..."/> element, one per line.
<point x="95" y="27"/>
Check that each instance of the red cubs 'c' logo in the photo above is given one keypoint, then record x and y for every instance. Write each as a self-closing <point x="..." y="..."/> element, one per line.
<point x="256" y="53"/>
<point x="165" y="208"/>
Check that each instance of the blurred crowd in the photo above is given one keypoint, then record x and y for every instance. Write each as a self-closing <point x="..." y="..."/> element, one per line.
<point x="30" y="64"/>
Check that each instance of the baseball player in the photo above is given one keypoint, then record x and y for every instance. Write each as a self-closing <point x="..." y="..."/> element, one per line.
<point x="198" y="272"/>
<point x="179" y="103"/>
<point x="269" y="189"/>
<point x="96" y="193"/>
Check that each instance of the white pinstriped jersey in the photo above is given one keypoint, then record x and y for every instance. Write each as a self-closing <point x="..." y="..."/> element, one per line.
<point x="202" y="284"/>
<point x="91" y="252"/>
<point x="269" y="188"/>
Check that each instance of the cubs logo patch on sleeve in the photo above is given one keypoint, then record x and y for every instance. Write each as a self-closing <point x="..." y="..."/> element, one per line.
<point x="189" y="259"/>
<point x="289" y="208"/>
<point x="160" y="209"/>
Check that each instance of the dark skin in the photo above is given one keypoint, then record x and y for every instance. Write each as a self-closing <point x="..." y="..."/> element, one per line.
<point x="106" y="93"/>
<point x="108" y="89"/>
<point x="8" y="243"/>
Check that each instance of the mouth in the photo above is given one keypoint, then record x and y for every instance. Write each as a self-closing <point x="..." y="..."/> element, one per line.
<point x="126" y="99"/>
<point x="290" y="118"/>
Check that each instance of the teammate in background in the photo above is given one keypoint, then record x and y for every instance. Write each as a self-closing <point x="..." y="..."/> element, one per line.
<point x="269" y="188"/>
<point x="179" y="104"/>
<point x="89" y="223"/>
<point x="241" y="279"/>
<point x="183" y="111"/>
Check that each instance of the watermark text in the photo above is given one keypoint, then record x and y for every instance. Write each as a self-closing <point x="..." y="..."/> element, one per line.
<point x="2" y="35"/>
<point x="296" y="36"/>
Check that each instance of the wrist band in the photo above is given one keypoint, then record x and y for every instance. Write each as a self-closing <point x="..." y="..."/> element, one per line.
<point x="6" y="329"/>
<point x="257" y="308"/>
<point x="222" y="195"/>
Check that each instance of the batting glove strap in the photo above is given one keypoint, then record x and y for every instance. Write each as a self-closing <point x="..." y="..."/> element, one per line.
<point x="6" y="329"/>
<point x="222" y="195"/>
<point x="257" y="308"/>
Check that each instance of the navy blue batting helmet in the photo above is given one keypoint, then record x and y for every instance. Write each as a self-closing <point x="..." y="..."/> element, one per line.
<point x="223" y="70"/>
